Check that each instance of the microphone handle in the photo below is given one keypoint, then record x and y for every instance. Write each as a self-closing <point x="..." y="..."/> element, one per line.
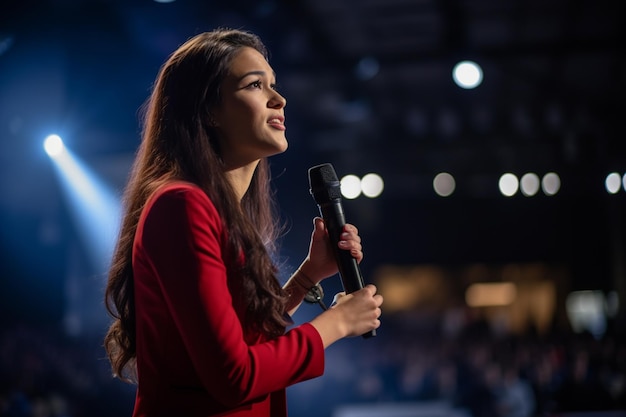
<point x="332" y="213"/>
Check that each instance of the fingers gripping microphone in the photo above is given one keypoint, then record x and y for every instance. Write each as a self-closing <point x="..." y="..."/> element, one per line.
<point x="326" y="191"/>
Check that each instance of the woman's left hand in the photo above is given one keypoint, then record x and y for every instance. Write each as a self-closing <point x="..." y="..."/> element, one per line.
<point x="320" y="263"/>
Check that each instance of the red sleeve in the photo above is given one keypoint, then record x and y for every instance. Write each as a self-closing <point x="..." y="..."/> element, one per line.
<point x="181" y="236"/>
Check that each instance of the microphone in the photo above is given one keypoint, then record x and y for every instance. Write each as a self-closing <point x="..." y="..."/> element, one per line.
<point x="326" y="191"/>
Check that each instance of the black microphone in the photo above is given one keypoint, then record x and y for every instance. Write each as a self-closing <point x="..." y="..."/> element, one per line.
<point x="326" y="191"/>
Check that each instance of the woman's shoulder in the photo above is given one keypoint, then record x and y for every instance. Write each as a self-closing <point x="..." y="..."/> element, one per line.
<point x="177" y="187"/>
<point x="182" y="192"/>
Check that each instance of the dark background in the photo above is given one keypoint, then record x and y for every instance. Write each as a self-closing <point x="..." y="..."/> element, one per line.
<point x="552" y="100"/>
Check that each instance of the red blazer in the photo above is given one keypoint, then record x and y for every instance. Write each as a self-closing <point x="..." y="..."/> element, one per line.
<point x="192" y="354"/>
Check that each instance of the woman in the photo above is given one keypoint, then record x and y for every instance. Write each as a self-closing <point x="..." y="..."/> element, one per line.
<point x="200" y="318"/>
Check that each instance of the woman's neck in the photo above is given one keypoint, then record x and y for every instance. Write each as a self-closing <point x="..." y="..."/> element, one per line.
<point x="241" y="177"/>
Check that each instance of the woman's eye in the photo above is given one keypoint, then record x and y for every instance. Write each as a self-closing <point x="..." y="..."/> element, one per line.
<point x="259" y="84"/>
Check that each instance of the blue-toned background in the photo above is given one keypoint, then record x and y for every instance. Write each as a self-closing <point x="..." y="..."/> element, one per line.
<point x="501" y="298"/>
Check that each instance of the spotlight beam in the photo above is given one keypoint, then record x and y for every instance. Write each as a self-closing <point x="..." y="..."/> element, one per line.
<point x="94" y="206"/>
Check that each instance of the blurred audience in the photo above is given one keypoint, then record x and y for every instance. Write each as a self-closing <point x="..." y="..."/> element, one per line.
<point x="45" y="373"/>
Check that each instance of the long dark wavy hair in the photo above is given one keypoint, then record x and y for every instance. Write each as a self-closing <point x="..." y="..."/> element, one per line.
<point x="179" y="143"/>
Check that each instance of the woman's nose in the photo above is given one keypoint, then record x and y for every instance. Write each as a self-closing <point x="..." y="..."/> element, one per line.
<point x="277" y="101"/>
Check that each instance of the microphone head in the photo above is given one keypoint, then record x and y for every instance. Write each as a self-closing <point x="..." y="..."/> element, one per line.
<point x="324" y="184"/>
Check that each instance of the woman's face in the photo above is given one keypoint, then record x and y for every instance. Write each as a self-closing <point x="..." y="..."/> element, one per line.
<point x="250" y="118"/>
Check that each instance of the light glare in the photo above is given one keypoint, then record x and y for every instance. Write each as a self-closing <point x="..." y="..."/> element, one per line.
<point x="372" y="185"/>
<point x="350" y="186"/>
<point x="508" y="184"/>
<point x="53" y="145"/>
<point x="551" y="183"/>
<point x="529" y="184"/>
<point x="467" y="74"/>
<point x="444" y="184"/>
<point x="94" y="206"/>
<point x="613" y="183"/>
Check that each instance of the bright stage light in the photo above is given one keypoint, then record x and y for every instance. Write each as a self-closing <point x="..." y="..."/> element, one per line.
<point x="372" y="185"/>
<point x="530" y="184"/>
<point x="551" y="183"/>
<point x="94" y="207"/>
<point x="508" y="184"/>
<point x="444" y="184"/>
<point x="53" y="145"/>
<point x="467" y="74"/>
<point x="613" y="183"/>
<point x="350" y="186"/>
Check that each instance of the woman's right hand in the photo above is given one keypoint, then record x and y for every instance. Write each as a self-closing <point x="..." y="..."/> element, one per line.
<point x="352" y="315"/>
<point x="320" y="263"/>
